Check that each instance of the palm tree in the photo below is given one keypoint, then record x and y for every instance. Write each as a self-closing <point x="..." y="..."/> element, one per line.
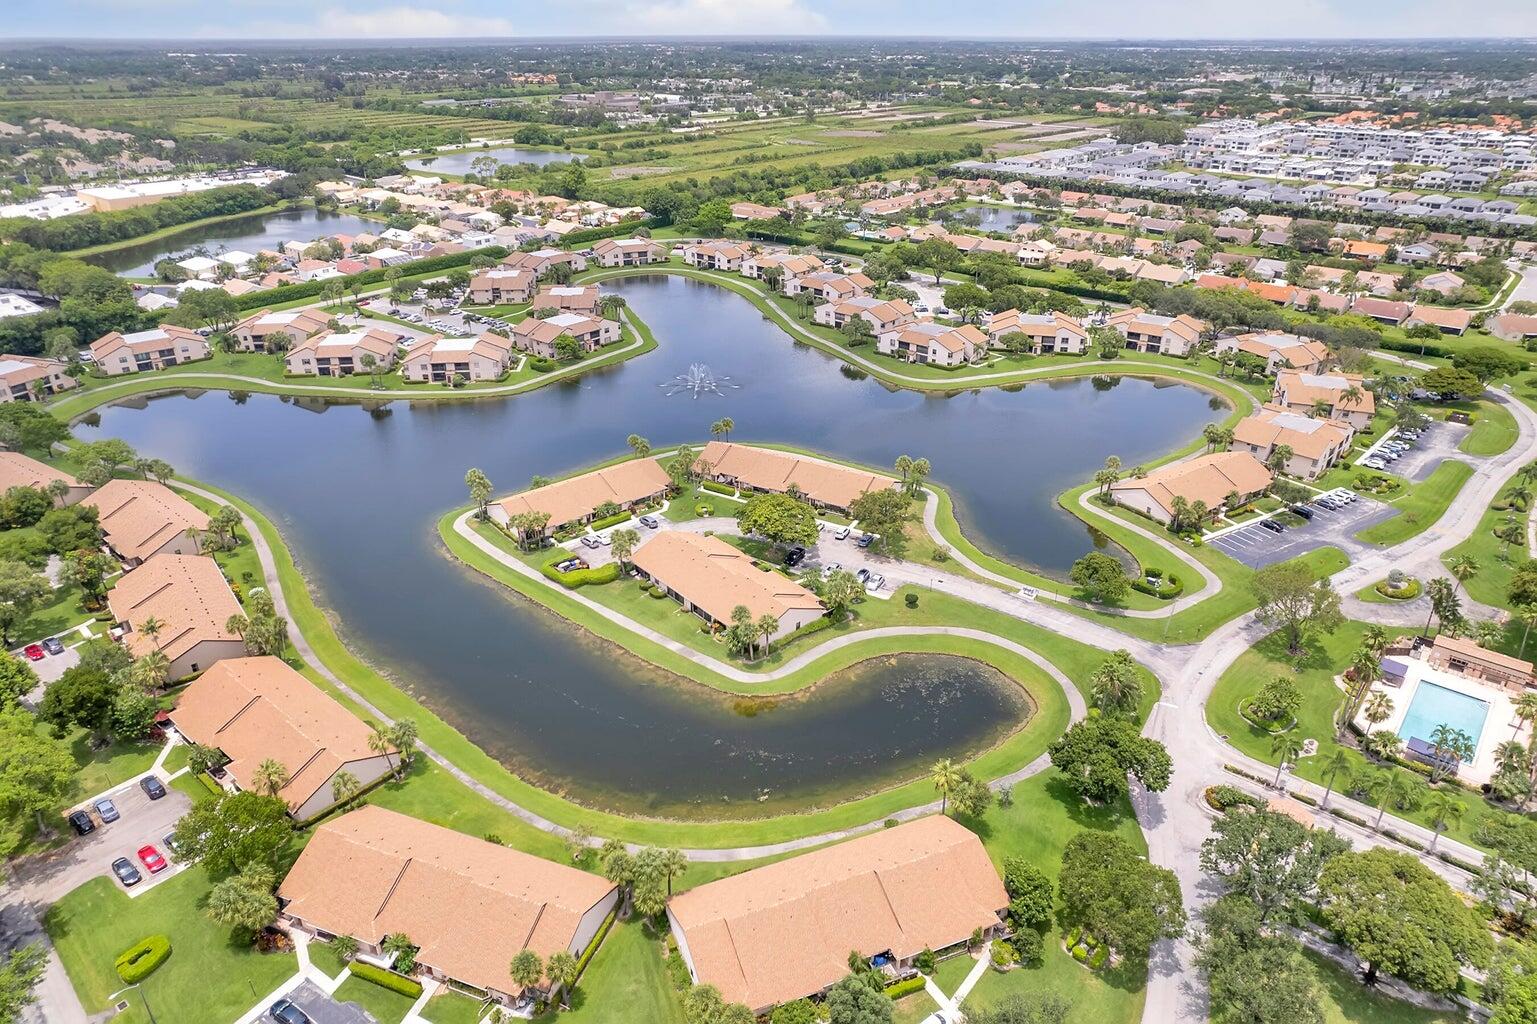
<point x="904" y="465"/>
<point x="639" y="445"/>
<point x="151" y="628"/>
<point x="1462" y="568"/>
<point x="766" y="626"/>
<point x="1386" y="786"/>
<point x="480" y="490"/>
<point x="379" y="742"/>
<point x="403" y="739"/>
<point x="1379" y="708"/>
<point x="1289" y="748"/>
<point x="562" y="971"/>
<point x="673" y="863"/>
<point x="1445" y="811"/>
<point x="1525" y="707"/>
<point x="946" y="778"/>
<point x="1528" y="614"/>
<point x="1375" y="639"/>
<point x="624" y="542"/>
<point x="526" y="968"/>
<point x="1336" y="762"/>
<point x="722" y="427"/>
<point x="617" y="864"/>
<point x="270" y="776"/>
<point x="151" y="670"/>
<point x="1440" y="593"/>
<point x="345" y="786"/>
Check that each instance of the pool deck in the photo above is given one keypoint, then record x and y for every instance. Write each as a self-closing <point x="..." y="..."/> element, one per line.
<point x="1500" y="725"/>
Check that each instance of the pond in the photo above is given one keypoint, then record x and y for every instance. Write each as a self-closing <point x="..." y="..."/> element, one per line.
<point x="994" y="218"/>
<point x="249" y="233"/>
<point x="357" y="491"/>
<point x="462" y="162"/>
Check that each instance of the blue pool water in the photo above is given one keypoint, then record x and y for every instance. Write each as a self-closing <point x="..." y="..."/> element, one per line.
<point x="1436" y="705"/>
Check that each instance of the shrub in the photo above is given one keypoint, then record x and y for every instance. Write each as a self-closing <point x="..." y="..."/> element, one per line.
<point x="579" y="577"/>
<point x="1080" y="954"/>
<point x="924" y="961"/>
<point x="139" y="960"/>
<point x="1029" y="947"/>
<point x="911" y="600"/>
<point x="1166" y="588"/>
<point x="607" y="521"/>
<point x="1097" y="960"/>
<point x="1407" y="592"/>
<point x="905" y="987"/>
<point x="539" y="364"/>
<point x="1004" y="955"/>
<point x="1224" y="797"/>
<point x="718" y="488"/>
<point x="408" y="987"/>
<point x="597" y="940"/>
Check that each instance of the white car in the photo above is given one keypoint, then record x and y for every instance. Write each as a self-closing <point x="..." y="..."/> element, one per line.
<point x="875" y="582"/>
<point x="830" y="568"/>
<point x="843" y="533"/>
<point x="605" y="540"/>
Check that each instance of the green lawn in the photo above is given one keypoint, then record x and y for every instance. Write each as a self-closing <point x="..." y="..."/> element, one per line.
<point x="1347" y="1001"/>
<point x="452" y="1008"/>
<point x="1494" y="430"/>
<point x="384" y="1006"/>
<point x="1497" y="560"/>
<point x="626" y="982"/>
<point x="1425" y="503"/>
<point x="210" y="975"/>
<point x="324" y="956"/>
<point x="1314" y="676"/>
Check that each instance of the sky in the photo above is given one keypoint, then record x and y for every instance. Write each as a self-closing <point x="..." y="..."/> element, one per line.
<point x="985" y="19"/>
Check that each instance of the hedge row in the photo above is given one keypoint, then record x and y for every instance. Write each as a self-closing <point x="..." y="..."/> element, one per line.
<point x="905" y="987"/>
<point x="1171" y="588"/>
<point x="312" y="289"/>
<point x="718" y="488"/>
<point x="623" y="228"/>
<point x="1417" y="347"/>
<point x="139" y="960"/>
<point x="386" y="979"/>
<point x="597" y="940"/>
<point x="579" y="577"/>
<point x="607" y="521"/>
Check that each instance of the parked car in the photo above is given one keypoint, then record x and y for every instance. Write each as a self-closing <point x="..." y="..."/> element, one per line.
<point x="843" y="533"/>
<point x="106" y="810"/>
<point x="866" y="540"/>
<point x="795" y="556"/>
<point x="150" y="858"/>
<point x="862" y="575"/>
<point x="125" y="871"/>
<point x="589" y="541"/>
<point x="53" y="645"/>
<point x="34" y="652"/>
<point x="153" y="787"/>
<point x="1302" y="510"/>
<point x="649" y="522"/>
<point x="830" y="568"/>
<point x="875" y="582"/>
<point x="285" y="1012"/>
<point x="605" y="540"/>
<point x="81" y="822"/>
<point x="169" y="839"/>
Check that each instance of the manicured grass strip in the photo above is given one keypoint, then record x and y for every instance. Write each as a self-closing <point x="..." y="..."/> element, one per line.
<point x="384" y="1006"/>
<point x="627" y="981"/>
<point x="1421" y="507"/>
<point x="1494" y="431"/>
<point x="1347" y="1001"/>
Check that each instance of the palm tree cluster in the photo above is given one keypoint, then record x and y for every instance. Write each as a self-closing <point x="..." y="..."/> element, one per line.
<point x="397" y="743"/>
<point x="747" y="635"/>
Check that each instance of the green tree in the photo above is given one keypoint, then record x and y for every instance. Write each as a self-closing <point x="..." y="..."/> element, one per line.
<point x="1451" y="383"/>
<point x="480" y="491"/>
<point x="1032" y="897"/>
<point x="639" y="445"/>
<point x="1116" y="685"/>
<point x="1254" y="976"/>
<point x="1109" y="890"/>
<point x="270" y="776"/>
<point x="722" y="427"/>
<point x="16" y="680"/>
<point x="20" y="971"/>
<point x="852" y="1001"/>
<point x="1400" y="917"/>
<point x="1270" y="859"/>
<point x="233" y="832"/>
<point x="526" y="968"/>
<point x="1101" y="577"/>
<point x="37" y="775"/>
<point x="1097" y="753"/>
<point x="245" y="901"/>
<point x="562" y="971"/>
<point x="883" y="513"/>
<point x="1444" y="811"/>
<point x="939" y="255"/>
<point x="1292" y="599"/>
<point x="624" y="542"/>
<point x="81" y="698"/>
<point x="947" y="778"/>
<point x="22" y="589"/>
<point x="88" y="570"/>
<point x="779" y="518"/>
<point x="839" y="590"/>
<point x="1277" y="701"/>
<point x="70" y="529"/>
<point x="1488" y="363"/>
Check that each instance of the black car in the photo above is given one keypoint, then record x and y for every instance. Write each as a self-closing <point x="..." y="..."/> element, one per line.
<point x="81" y="822"/>
<point x="153" y="787"/>
<point x="1303" y="511"/>
<point x="285" y="1012"/>
<point x="795" y="556"/>
<point x="1273" y="526"/>
<point x="125" y="871"/>
<point x="53" y="646"/>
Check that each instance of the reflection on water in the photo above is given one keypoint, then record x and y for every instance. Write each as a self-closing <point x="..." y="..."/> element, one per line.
<point x="357" y="489"/>
<point x="248" y="234"/>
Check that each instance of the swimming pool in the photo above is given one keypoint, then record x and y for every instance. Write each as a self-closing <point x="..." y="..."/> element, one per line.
<point x="1435" y="705"/>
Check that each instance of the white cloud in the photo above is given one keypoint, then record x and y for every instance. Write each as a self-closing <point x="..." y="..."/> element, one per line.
<point x="717" y="17"/>
<point x="405" y="22"/>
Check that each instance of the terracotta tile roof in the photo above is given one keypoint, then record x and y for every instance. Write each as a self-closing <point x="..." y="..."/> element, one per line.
<point x="1469" y="650"/>
<point x="187" y="593"/>
<point x="717" y="577"/>
<point x="1442" y="317"/>
<point x="1035" y="325"/>
<point x="546" y="331"/>
<point x="1206" y="478"/>
<point x="566" y="297"/>
<point x="380" y="342"/>
<point x="784" y="931"/>
<point x="576" y="497"/>
<point x="768" y="470"/>
<point x="1308" y="437"/>
<point x="468" y="904"/>
<point x="18" y="470"/>
<point x="140" y="516"/>
<point x="152" y="340"/>
<point x="1297" y="350"/>
<point x="1297" y="388"/>
<point x="259" y="708"/>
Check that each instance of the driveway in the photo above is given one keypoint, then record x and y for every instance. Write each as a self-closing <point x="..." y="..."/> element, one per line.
<point x="1435" y="444"/>
<point x="45" y="878"/>
<point x="324" y="1009"/>
<point x="1258" y="547"/>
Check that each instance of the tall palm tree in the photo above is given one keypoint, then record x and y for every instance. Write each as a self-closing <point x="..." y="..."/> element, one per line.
<point x="379" y="742"/>
<point x="1365" y="668"/>
<point x="1289" y="747"/>
<point x="1444" y="811"/>
<point x="403" y="738"/>
<point x="270" y="776"/>
<point x="345" y="786"/>
<point x="562" y="971"/>
<point x="1375" y="639"/>
<point x="1462" y="568"/>
<point x="1379" y="707"/>
<point x="151" y="628"/>
<point x="1528" y="615"/>
<point x="1525" y="707"/>
<point x="946" y="778"/>
<point x="1336" y="762"/>
<point x="723" y="427"/>
<point x="526" y="968"/>
<point x="673" y="863"/>
<point x="1387" y="786"/>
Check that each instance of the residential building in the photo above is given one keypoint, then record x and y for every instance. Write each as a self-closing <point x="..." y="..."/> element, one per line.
<point x="575" y="499"/>
<point x="538" y="336"/>
<point x="1383" y="310"/>
<point x="1316" y="444"/>
<point x="754" y="211"/>
<point x="1279" y="350"/>
<point x="1513" y="326"/>
<point x="881" y="314"/>
<point x="541" y="261"/>
<point x="255" y="332"/>
<point x="568" y="299"/>
<point x="823" y="483"/>
<point x="784" y="931"/>
<point x="1344" y="395"/>
<point x="828" y="285"/>
<point x="341" y="355"/>
<point x="628" y="252"/>
<point x="188" y="596"/>
<point x="501" y="285"/>
<point x="469" y="905"/>
<point x="1443" y="318"/>
<point x="755" y="266"/>
<point x="444" y="360"/>
<point x="258" y="709"/>
<point x="18" y="470"/>
<point x="12" y="304"/>
<point x="712" y="579"/>
<point x="1208" y="479"/>
<point x="933" y="343"/>
<point x="1445" y="282"/>
<point x="31" y="378"/>
<point x="1149" y="332"/>
<point x="141" y="519"/>
<point x="154" y="349"/>
<point x="1466" y="658"/>
<point x="715" y="255"/>
<point x="1048" y="332"/>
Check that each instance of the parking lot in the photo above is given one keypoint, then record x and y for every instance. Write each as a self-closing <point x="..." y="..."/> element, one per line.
<point x="324" y="1009"/>
<point x="1256" y="547"/>
<point x="1436" y="442"/>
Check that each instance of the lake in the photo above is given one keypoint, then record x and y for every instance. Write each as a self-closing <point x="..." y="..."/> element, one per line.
<point x="357" y="492"/>
<point x="248" y="233"/>
<point x="996" y="218"/>
<point x="461" y="162"/>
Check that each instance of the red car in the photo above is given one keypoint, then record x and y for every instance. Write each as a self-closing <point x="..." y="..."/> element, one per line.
<point x="151" y="859"/>
<point x="34" y="652"/>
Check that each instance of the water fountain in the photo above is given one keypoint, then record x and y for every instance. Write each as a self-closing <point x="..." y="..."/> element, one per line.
<point x="698" y="380"/>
